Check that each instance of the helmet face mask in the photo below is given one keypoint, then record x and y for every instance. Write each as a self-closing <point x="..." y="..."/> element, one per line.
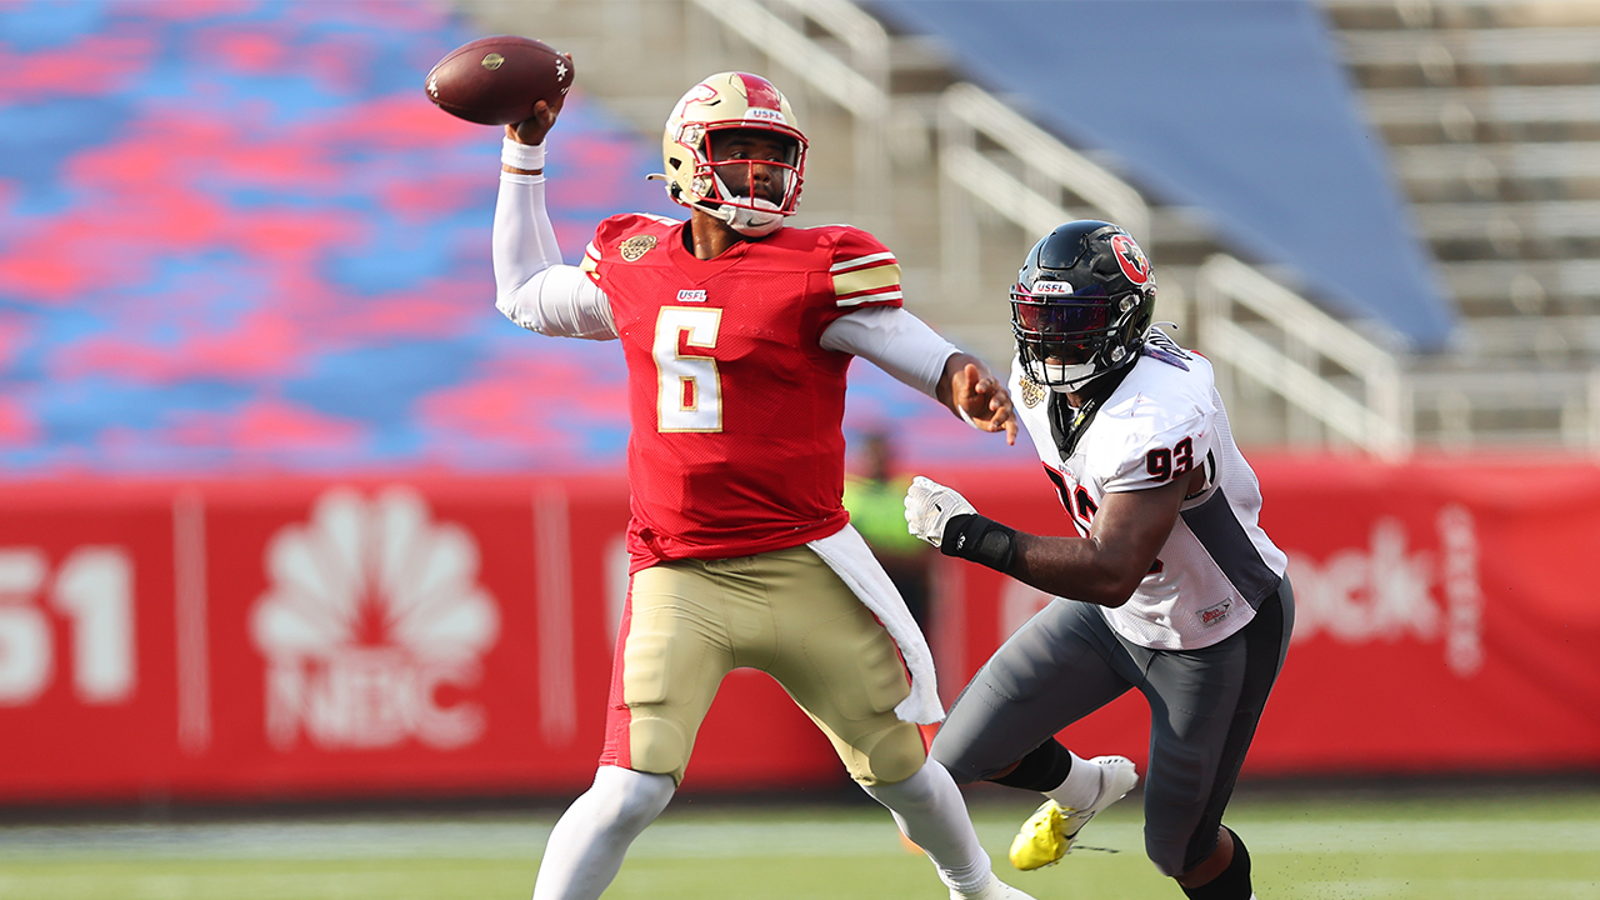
<point x="720" y="110"/>
<point x="1082" y="305"/>
<point x="742" y="169"/>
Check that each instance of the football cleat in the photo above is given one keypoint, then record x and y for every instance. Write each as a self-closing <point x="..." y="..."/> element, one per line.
<point x="994" y="889"/>
<point x="1051" y="831"/>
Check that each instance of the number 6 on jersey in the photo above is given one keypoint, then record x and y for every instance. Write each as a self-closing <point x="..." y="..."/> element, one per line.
<point x="689" y="390"/>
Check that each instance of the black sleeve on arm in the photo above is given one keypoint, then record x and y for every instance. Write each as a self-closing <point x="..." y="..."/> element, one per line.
<point x="980" y="539"/>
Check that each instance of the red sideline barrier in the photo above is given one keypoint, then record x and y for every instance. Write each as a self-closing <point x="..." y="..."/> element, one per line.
<point x="1446" y="620"/>
<point x="411" y="636"/>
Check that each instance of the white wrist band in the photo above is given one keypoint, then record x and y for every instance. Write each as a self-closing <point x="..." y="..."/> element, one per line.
<point x="517" y="155"/>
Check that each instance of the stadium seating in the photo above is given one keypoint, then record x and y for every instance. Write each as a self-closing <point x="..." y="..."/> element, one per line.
<point x="237" y="238"/>
<point x="221" y="261"/>
<point x="1485" y="108"/>
<point x="1491" y="111"/>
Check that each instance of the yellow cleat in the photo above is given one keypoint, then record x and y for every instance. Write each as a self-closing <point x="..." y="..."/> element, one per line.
<point x="1051" y="831"/>
<point x="1041" y="842"/>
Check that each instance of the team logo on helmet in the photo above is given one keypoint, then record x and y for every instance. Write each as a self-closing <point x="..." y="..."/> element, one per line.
<point x="636" y="246"/>
<point x="1130" y="258"/>
<point x="700" y="95"/>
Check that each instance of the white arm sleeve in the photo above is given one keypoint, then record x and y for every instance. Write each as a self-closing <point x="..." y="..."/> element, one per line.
<point x="895" y="341"/>
<point x="533" y="288"/>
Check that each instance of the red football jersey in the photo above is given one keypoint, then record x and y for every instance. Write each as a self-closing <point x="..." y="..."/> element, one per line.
<point x="736" y="409"/>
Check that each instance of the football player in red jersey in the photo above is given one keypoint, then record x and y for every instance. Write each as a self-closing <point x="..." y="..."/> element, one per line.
<point x="737" y="333"/>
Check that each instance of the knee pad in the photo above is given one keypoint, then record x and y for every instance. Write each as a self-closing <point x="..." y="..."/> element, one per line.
<point x="888" y="757"/>
<point x="658" y="746"/>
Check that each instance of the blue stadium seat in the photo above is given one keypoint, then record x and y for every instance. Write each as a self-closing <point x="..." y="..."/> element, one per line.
<point x="236" y="238"/>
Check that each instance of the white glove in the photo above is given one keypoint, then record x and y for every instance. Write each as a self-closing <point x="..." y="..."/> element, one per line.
<point x="930" y="506"/>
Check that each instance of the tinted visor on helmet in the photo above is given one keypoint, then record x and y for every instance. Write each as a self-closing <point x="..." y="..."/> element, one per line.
<point x="1063" y="327"/>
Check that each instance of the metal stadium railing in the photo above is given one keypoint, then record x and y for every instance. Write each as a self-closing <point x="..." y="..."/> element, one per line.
<point x="1025" y="187"/>
<point x="859" y="85"/>
<point x="1330" y="383"/>
<point x="1289" y="351"/>
<point x="990" y="153"/>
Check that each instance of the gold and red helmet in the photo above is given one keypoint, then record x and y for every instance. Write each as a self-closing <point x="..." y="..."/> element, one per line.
<point x="725" y="102"/>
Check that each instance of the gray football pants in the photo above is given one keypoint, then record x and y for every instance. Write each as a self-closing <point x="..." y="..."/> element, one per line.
<point x="1066" y="662"/>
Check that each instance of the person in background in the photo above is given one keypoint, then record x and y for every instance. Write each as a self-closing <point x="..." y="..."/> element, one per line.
<point x="876" y="501"/>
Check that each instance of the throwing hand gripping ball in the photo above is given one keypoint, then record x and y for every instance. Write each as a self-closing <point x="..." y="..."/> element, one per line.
<point x="497" y="80"/>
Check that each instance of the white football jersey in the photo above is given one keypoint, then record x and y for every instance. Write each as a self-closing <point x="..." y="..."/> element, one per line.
<point x="1163" y="421"/>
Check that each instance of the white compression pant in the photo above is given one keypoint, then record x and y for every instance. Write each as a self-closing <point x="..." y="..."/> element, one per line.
<point x="931" y="812"/>
<point x="587" y="845"/>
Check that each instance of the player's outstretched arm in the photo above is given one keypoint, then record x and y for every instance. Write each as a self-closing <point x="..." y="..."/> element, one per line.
<point x="1107" y="566"/>
<point x="976" y="395"/>
<point x="1104" y="568"/>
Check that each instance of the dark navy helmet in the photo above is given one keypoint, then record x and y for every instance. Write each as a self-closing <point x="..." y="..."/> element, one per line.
<point x="1083" y="302"/>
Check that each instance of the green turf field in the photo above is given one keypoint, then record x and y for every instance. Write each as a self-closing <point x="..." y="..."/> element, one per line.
<point x="1544" y="845"/>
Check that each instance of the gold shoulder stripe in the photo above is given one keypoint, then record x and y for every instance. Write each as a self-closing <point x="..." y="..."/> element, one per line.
<point x="872" y="279"/>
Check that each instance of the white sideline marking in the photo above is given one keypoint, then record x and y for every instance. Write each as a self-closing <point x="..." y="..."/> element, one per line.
<point x="516" y="839"/>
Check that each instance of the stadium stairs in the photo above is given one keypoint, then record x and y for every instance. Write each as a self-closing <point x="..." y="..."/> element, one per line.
<point x="1491" y="110"/>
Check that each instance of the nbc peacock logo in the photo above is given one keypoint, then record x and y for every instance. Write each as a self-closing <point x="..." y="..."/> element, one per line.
<point x="373" y="626"/>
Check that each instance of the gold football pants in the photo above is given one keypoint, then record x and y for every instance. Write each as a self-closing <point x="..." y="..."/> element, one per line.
<point x="691" y="622"/>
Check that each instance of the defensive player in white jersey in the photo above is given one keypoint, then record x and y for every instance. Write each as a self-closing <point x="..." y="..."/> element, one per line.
<point x="1168" y="586"/>
<point x="737" y="333"/>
